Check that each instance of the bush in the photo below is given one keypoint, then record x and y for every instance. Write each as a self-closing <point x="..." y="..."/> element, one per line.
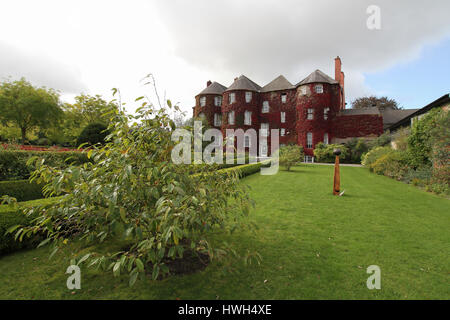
<point x="393" y="164"/>
<point x="10" y="217"/>
<point x="373" y="155"/>
<point x="325" y="153"/>
<point x="22" y="190"/>
<point x="13" y="163"/>
<point x="357" y="148"/>
<point x="92" y="134"/>
<point x="291" y="155"/>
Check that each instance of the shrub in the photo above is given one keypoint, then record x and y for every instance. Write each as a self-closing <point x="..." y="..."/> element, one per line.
<point x="420" y="176"/>
<point x="22" y="190"/>
<point x="357" y="148"/>
<point x="373" y="155"/>
<point x="393" y="164"/>
<point x="13" y="163"/>
<point x="291" y="155"/>
<point x="92" y="134"/>
<point x="440" y="154"/>
<point x="325" y="153"/>
<point x="10" y="217"/>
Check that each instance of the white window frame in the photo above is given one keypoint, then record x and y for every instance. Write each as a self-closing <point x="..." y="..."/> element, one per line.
<point x="231" y="117"/>
<point x="217" y="101"/>
<point x="265" y="107"/>
<point x="309" y="140"/>
<point x="283" y="117"/>
<point x="318" y="88"/>
<point x="231" y="98"/>
<point x="310" y="114"/>
<point x="247" y="141"/>
<point x="202" y="116"/>
<point x="217" y="119"/>
<point x="248" y="96"/>
<point x="325" y="113"/>
<point x="283" y="98"/>
<point x="309" y="159"/>
<point x="326" y="139"/>
<point x="248" y="118"/>
<point x="303" y="90"/>
<point x="282" y="132"/>
<point x="265" y="129"/>
<point x="202" y="101"/>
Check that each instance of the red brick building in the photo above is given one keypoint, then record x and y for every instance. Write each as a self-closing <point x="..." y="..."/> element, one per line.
<point x="307" y="113"/>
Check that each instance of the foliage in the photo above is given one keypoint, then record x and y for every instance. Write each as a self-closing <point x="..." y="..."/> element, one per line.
<point x="290" y="156"/>
<point x="21" y="190"/>
<point x="132" y="190"/>
<point x="357" y="148"/>
<point x="373" y="101"/>
<point x="440" y="154"/>
<point x="10" y="216"/>
<point x="93" y="133"/>
<point x="373" y="155"/>
<point x="400" y="139"/>
<point x="325" y="153"/>
<point x="28" y="107"/>
<point x="381" y="141"/>
<point x="13" y="163"/>
<point x="393" y="164"/>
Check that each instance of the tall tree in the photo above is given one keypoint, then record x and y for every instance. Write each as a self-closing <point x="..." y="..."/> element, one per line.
<point x="28" y="107"/>
<point x="90" y="109"/>
<point x="381" y="103"/>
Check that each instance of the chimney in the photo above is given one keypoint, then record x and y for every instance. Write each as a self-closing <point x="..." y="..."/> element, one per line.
<point x="337" y="69"/>
<point x="235" y="79"/>
<point x="208" y="83"/>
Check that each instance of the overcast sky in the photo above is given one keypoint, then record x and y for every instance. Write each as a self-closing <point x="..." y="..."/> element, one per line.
<point x="93" y="46"/>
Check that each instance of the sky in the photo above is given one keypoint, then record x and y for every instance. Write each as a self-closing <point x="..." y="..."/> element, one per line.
<point x="93" y="46"/>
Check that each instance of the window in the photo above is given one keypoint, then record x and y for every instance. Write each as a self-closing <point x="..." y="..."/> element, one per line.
<point x="325" y="139"/>
<point x="265" y="108"/>
<point x="309" y="159"/>
<point x="247" y="142"/>
<point x="325" y="113"/>
<point x="218" y="101"/>
<point x="309" y="140"/>
<point x="248" y="118"/>
<point x="303" y="90"/>
<point x="283" y="98"/>
<point x="264" y="129"/>
<point x="201" y="115"/>
<point x="202" y="101"/>
<point x="283" y="117"/>
<point x="283" y="132"/>
<point x="232" y="98"/>
<point x="217" y="119"/>
<point x="318" y="88"/>
<point x="248" y="97"/>
<point x="231" y="117"/>
<point x="310" y="114"/>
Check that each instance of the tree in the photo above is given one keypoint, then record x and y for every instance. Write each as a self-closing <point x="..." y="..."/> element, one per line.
<point x="290" y="155"/>
<point x="325" y="153"/>
<point x="381" y="103"/>
<point x="93" y="133"/>
<point x="91" y="109"/>
<point x="133" y="191"/>
<point x="28" y="107"/>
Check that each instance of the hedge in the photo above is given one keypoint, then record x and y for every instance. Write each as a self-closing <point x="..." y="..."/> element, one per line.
<point x="246" y="169"/>
<point x="10" y="217"/>
<point x="13" y="163"/>
<point x="22" y="190"/>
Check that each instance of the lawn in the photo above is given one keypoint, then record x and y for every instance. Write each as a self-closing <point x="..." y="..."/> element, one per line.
<point x="314" y="246"/>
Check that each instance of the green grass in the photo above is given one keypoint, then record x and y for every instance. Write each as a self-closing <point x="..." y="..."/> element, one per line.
<point x="314" y="246"/>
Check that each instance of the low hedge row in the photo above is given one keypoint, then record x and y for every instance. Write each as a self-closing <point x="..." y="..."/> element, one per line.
<point x="22" y="190"/>
<point x="10" y="217"/>
<point x="246" y="169"/>
<point x="13" y="163"/>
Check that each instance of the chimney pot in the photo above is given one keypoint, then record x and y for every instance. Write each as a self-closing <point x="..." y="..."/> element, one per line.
<point x="208" y="83"/>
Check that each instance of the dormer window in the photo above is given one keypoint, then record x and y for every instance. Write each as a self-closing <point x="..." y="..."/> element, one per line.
<point x="218" y="101"/>
<point x="265" y="107"/>
<point x="202" y="101"/>
<point x="283" y="98"/>
<point x="232" y="98"/>
<point x="248" y="96"/>
<point x="318" y="88"/>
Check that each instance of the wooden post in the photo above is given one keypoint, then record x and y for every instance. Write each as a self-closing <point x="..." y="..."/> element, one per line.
<point x="337" y="174"/>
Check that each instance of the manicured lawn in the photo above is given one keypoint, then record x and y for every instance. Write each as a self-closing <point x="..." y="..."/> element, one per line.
<point x="314" y="246"/>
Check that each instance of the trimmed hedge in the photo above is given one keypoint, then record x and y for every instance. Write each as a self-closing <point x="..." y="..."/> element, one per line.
<point x="22" y="190"/>
<point x="10" y="217"/>
<point x="246" y="169"/>
<point x="13" y="163"/>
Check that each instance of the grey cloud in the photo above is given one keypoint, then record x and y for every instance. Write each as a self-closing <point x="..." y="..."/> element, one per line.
<point x="263" y="39"/>
<point x="39" y="69"/>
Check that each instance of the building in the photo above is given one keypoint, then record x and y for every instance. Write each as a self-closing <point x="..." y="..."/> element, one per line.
<point x="307" y="113"/>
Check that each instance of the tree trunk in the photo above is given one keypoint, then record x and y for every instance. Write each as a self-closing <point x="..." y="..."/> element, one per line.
<point x="24" y="134"/>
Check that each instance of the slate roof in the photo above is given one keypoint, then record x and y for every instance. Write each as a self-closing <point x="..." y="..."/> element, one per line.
<point x="391" y="116"/>
<point x="317" y="76"/>
<point x="244" y="83"/>
<point x="279" y="83"/>
<point x="357" y="112"/>
<point x="214" y="88"/>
